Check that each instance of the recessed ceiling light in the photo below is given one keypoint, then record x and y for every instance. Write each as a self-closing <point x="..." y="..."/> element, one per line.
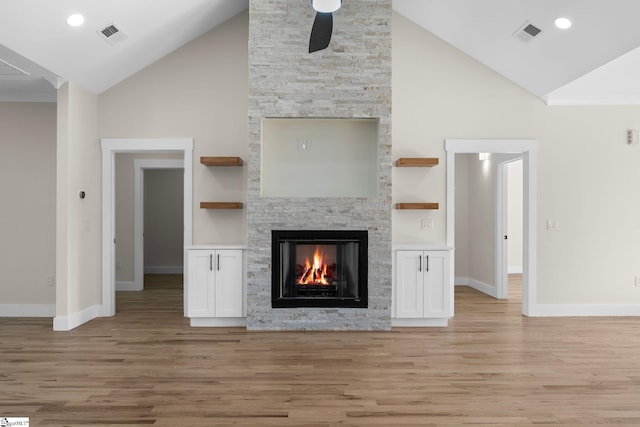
<point x="563" y="23"/>
<point x="75" y="20"/>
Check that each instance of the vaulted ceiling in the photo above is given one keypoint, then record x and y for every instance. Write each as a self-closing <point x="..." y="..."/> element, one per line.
<point x="596" y="61"/>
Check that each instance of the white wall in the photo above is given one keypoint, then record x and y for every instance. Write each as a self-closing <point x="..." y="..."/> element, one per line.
<point x="163" y="221"/>
<point x="462" y="254"/>
<point x="588" y="178"/>
<point x="78" y="220"/>
<point x="199" y="91"/>
<point x="27" y="211"/>
<point x="514" y="215"/>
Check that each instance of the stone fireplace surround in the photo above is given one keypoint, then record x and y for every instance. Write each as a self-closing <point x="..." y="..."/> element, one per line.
<point x="350" y="79"/>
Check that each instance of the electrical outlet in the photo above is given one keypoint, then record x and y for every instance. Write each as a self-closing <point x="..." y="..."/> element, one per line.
<point x="427" y="223"/>
<point x="638" y="281"/>
<point x="305" y="144"/>
<point x="118" y="264"/>
<point x="552" y="225"/>
<point x="51" y="280"/>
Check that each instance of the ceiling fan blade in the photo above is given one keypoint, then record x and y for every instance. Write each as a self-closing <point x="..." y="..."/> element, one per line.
<point x="321" y="32"/>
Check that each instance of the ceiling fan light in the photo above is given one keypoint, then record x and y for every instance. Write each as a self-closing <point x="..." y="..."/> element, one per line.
<point x="326" y="6"/>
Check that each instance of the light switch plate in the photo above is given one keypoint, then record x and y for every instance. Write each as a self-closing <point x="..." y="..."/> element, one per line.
<point x="552" y="225"/>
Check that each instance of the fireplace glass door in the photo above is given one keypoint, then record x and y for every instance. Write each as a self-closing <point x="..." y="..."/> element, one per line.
<point x="314" y="268"/>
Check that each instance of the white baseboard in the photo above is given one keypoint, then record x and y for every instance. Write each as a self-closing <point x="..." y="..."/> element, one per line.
<point x="418" y="323"/>
<point x="67" y="323"/>
<point x="27" y="310"/>
<point x="127" y="287"/>
<point x="514" y="269"/>
<point x="477" y="285"/>
<point x="164" y="270"/>
<point x="585" y="310"/>
<point x="219" y="322"/>
<point x="485" y="288"/>
<point x="461" y="281"/>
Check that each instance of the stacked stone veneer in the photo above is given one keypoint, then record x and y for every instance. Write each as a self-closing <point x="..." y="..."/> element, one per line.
<point x="350" y="79"/>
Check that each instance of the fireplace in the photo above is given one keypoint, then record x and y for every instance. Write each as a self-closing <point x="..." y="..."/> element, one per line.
<point x="319" y="268"/>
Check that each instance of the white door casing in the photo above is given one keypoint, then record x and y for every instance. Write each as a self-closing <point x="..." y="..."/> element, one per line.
<point x="529" y="150"/>
<point x="111" y="146"/>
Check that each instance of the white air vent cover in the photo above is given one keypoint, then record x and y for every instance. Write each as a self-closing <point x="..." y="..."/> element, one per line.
<point x="527" y="32"/>
<point x="7" y="69"/>
<point x="112" y="34"/>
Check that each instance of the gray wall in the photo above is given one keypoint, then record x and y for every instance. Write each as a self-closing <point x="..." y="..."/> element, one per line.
<point x="125" y="211"/>
<point x="163" y="220"/>
<point x="27" y="210"/>
<point x="475" y="218"/>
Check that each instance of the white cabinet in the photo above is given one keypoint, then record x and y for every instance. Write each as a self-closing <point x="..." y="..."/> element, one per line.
<point x="215" y="282"/>
<point x="422" y="285"/>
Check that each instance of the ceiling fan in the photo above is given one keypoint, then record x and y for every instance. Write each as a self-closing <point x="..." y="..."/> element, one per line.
<point x="322" y="24"/>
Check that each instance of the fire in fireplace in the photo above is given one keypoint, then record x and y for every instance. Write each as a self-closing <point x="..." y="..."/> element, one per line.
<point x="319" y="268"/>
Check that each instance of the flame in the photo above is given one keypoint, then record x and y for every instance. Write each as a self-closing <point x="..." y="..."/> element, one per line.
<point x="315" y="274"/>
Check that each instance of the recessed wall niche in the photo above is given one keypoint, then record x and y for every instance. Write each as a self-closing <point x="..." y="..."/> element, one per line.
<point x="319" y="157"/>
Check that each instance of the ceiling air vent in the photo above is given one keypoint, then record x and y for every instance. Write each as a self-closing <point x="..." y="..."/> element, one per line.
<point x="9" y="70"/>
<point x="527" y="32"/>
<point x="112" y="34"/>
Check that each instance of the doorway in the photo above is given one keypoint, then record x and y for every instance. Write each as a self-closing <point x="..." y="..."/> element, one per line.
<point x="110" y="147"/>
<point x="505" y="150"/>
<point x="144" y="167"/>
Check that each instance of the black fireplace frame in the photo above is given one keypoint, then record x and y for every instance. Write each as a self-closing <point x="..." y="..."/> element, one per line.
<point x="320" y="237"/>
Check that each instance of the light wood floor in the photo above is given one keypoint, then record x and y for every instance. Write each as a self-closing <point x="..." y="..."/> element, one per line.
<point x="491" y="366"/>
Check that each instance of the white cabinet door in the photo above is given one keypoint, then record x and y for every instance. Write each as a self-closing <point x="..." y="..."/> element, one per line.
<point x="201" y="283"/>
<point x="422" y="288"/>
<point x="436" y="284"/>
<point x="229" y="294"/>
<point x="409" y="284"/>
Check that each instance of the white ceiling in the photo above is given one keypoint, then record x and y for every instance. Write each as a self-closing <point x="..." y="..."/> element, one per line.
<point x="37" y="30"/>
<point x="602" y="31"/>
<point x="597" y="61"/>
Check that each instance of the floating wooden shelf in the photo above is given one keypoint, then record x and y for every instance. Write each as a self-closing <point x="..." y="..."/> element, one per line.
<point x="417" y="205"/>
<point x="220" y="205"/>
<point x="417" y="162"/>
<point x="221" y="161"/>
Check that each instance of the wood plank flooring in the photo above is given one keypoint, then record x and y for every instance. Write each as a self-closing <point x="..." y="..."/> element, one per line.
<point x="491" y="366"/>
